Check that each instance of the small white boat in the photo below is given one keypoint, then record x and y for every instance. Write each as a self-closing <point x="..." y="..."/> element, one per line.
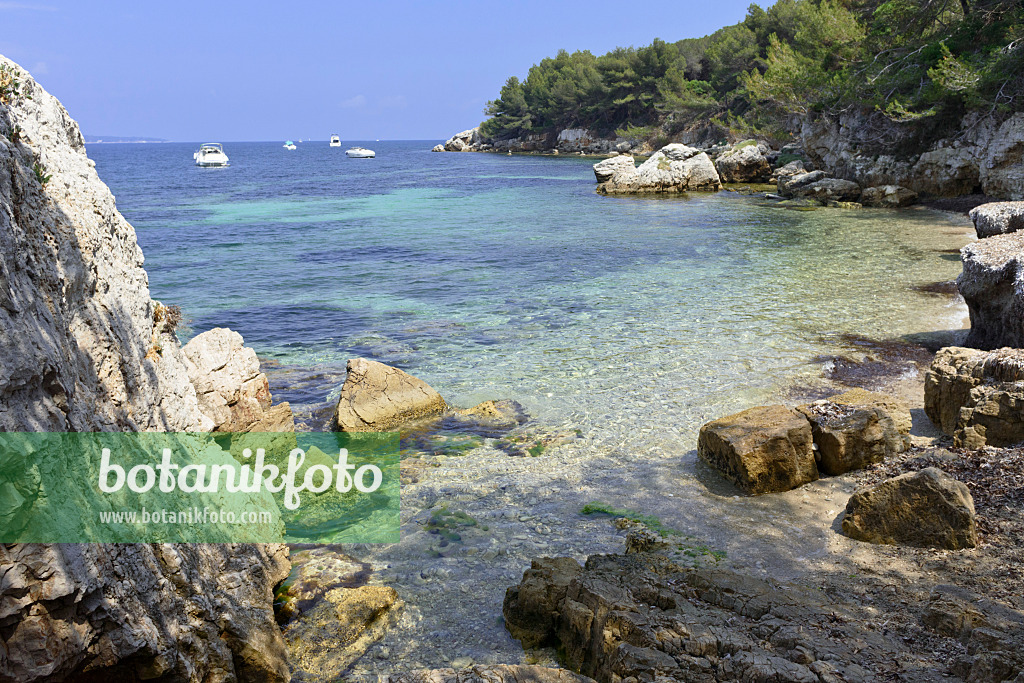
<point x="335" y="141"/>
<point x="360" y="153"/>
<point x="288" y="144"/>
<point x="210" y="154"/>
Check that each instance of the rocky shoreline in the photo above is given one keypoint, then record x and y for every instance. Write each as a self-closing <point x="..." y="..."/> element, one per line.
<point x="718" y="585"/>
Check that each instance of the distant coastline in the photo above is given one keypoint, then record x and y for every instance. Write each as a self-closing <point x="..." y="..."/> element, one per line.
<point x="100" y="139"/>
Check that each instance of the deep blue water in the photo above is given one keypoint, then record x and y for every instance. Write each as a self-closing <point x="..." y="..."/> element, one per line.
<point x="492" y="276"/>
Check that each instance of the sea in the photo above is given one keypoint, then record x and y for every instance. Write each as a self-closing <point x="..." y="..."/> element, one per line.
<point x="509" y="277"/>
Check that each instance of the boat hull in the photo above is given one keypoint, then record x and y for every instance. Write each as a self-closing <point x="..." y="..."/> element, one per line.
<point x="360" y="154"/>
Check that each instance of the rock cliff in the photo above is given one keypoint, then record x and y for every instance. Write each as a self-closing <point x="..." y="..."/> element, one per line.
<point x="82" y="348"/>
<point x="985" y="154"/>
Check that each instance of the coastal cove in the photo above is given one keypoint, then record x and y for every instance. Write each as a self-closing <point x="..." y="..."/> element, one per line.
<point x="625" y="322"/>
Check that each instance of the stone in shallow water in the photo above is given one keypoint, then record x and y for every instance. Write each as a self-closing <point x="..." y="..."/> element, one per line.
<point x="378" y="398"/>
<point x="997" y="218"/>
<point x="761" y="450"/>
<point x="926" y="509"/>
<point x="992" y="284"/>
<point x="499" y="673"/>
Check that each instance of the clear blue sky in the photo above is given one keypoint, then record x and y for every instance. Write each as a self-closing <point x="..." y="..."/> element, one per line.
<point x="395" y="69"/>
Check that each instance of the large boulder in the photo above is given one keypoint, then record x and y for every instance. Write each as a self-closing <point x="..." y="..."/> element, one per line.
<point x="926" y="509"/>
<point x="230" y="388"/>
<point x="378" y="398"/>
<point x="761" y="450"/>
<point x="897" y="408"/>
<point x="992" y="284"/>
<point x="438" y="148"/>
<point x="609" y="168"/>
<point x="744" y="163"/>
<point x="83" y="351"/>
<point x="997" y="218"/>
<point x="888" y="196"/>
<point x="850" y="437"/>
<point x="673" y="168"/>
<point x="977" y="397"/>
<point x="788" y="185"/>
<point x="464" y="141"/>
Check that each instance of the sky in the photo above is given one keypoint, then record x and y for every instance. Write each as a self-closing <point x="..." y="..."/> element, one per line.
<point x="238" y="71"/>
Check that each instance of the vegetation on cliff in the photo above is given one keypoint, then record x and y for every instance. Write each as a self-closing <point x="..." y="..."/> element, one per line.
<point x="920" y="61"/>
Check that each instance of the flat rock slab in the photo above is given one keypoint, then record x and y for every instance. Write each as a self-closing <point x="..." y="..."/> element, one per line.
<point x="378" y="398"/>
<point x="762" y="450"/>
<point x="926" y="509"/>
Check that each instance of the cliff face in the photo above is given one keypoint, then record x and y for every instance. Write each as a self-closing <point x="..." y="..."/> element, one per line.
<point x="80" y="351"/>
<point x="981" y="154"/>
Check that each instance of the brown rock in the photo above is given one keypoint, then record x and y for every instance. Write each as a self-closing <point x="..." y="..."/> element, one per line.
<point x="926" y="509"/>
<point x="762" y="450"/>
<point x="497" y="673"/>
<point x="888" y="196"/>
<point x="377" y="398"/>
<point x="851" y="437"/>
<point x="528" y="606"/>
<point x="977" y="396"/>
<point x="897" y="408"/>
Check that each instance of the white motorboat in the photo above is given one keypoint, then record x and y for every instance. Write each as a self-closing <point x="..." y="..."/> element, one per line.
<point x="335" y="141"/>
<point x="288" y="144"/>
<point x="360" y="153"/>
<point x="211" y="154"/>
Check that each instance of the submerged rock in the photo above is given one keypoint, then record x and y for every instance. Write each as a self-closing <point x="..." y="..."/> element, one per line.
<point x="977" y="397"/>
<point x="761" y="450"/>
<point x="888" y="196"/>
<point x="744" y="163"/>
<point x="378" y="398"/>
<point x="992" y="284"/>
<point x="997" y="218"/>
<point x="673" y="168"/>
<point x="926" y="509"/>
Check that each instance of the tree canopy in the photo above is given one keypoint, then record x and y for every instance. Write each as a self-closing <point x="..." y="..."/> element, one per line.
<point x="910" y="59"/>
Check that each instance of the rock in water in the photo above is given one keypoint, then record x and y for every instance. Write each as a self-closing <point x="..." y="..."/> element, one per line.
<point x="761" y="450"/>
<point x="528" y="607"/>
<point x="609" y="168"/>
<point x="438" y="148"/>
<point x="673" y="168"/>
<point x="926" y="509"/>
<point x="992" y="284"/>
<point x="977" y="397"/>
<point x="743" y="164"/>
<point x="378" y="398"/>
<point x="492" y="673"/>
<point x="888" y="196"/>
<point x="997" y="218"/>
<point x="83" y="351"/>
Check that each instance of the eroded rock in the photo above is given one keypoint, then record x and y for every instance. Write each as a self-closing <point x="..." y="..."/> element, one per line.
<point x="977" y="397"/>
<point x="997" y="218"/>
<point x="497" y="673"/>
<point x="992" y="284"/>
<point x="378" y="398"/>
<point x="743" y="164"/>
<point x="926" y="509"/>
<point x="673" y="168"/>
<point x="851" y="437"/>
<point x="761" y="450"/>
<point x="897" y="408"/>
<point x="888" y="196"/>
<point x="609" y="168"/>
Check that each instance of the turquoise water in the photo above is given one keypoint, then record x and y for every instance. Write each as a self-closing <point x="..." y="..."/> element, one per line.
<point x="507" y="277"/>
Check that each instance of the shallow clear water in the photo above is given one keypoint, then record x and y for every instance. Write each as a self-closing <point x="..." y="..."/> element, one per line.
<point x="507" y="277"/>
